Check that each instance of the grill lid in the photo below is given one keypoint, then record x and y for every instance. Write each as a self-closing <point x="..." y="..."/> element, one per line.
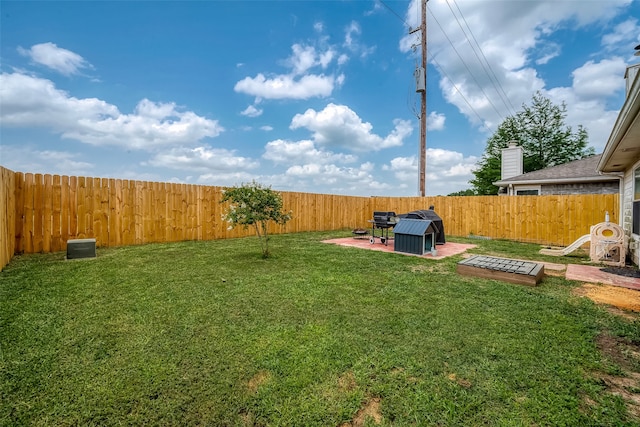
<point x="383" y="219"/>
<point x="383" y="215"/>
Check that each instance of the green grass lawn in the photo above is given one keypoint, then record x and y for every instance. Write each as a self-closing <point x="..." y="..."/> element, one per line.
<point x="209" y="333"/>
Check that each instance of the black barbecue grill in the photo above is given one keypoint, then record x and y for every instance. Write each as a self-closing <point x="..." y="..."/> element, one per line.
<point x="382" y="221"/>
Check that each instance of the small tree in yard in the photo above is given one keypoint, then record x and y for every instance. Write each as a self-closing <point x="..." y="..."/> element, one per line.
<point x="254" y="204"/>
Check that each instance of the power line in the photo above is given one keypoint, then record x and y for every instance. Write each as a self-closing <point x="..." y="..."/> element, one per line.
<point x="439" y="67"/>
<point x="394" y="12"/>
<point x="442" y="70"/>
<point x="499" y="88"/>
<point x="411" y="106"/>
<point x="467" y="66"/>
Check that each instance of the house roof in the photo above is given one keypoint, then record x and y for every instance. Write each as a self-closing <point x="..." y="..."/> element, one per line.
<point x="623" y="147"/>
<point x="583" y="170"/>
<point x="414" y="227"/>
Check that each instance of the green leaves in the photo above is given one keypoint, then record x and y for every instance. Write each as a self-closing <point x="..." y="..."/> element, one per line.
<point x="545" y="139"/>
<point x="254" y="205"/>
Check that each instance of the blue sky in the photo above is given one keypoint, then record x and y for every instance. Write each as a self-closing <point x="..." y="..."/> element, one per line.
<point x="311" y="96"/>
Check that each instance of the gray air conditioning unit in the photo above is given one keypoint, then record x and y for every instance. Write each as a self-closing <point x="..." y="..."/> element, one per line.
<point x="81" y="248"/>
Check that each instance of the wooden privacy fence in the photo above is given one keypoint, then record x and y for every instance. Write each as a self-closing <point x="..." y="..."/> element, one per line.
<point x="39" y="213"/>
<point x="7" y="216"/>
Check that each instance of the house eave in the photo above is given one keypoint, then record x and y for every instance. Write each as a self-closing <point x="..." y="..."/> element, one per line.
<point x="603" y="178"/>
<point x="626" y="122"/>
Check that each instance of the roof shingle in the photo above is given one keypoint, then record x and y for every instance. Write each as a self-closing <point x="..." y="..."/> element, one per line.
<point x="579" y="170"/>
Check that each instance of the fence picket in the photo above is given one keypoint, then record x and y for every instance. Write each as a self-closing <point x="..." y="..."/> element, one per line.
<point x="65" y="188"/>
<point x="18" y="194"/>
<point x="56" y="214"/>
<point x="128" y="218"/>
<point x="47" y="208"/>
<point x="7" y="216"/>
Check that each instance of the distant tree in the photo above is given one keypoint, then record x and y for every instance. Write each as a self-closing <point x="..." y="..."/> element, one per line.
<point x="545" y="139"/>
<point x="467" y="192"/>
<point x="254" y="205"/>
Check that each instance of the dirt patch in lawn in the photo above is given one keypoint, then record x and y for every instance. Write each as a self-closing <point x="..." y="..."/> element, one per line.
<point x="370" y="409"/>
<point x="257" y="380"/>
<point x="626" y="355"/>
<point x="347" y="382"/>
<point x="460" y="381"/>
<point x="623" y="352"/>
<point x="624" y="387"/>
<point x="615" y="296"/>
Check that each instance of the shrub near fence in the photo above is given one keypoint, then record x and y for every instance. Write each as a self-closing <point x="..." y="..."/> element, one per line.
<point x="44" y="211"/>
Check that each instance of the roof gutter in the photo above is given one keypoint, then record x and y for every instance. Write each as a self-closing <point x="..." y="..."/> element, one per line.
<point x="600" y="178"/>
<point x="618" y="175"/>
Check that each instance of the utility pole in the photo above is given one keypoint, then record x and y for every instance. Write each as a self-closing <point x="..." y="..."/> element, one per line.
<point x="421" y="86"/>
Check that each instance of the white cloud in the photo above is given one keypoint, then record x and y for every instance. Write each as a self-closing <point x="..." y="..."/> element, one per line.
<point x="134" y="174"/>
<point x="435" y="121"/>
<point x="227" y="178"/>
<point x="30" y="101"/>
<point x="405" y="169"/>
<point x="449" y="163"/>
<point x="202" y="159"/>
<point x="586" y="98"/>
<point x="266" y="128"/>
<point x="624" y="36"/>
<point x="339" y="126"/>
<point x="377" y="6"/>
<point x="547" y="52"/>
<point x="58" y="59"/>
<point x="287" y="87"/>
<point x="252" y="111"/>
<point x="352" y="30"/>
<point x="29" y="159"/>
<point x="446" y="171"/>
<point x="341" y="180"/>
<point x="34" y="102"/>
<point x="301" y="152"/>
<point x="599" y="79"/>
<point x="590" y="113"/>
<point x="309" y="74"/>
<point x="304" y="58"/>
<point x="326" y="57"/>
<point x="352" y="42"/>
<point x="146" y="132"/>
<point x="494" y="83"/>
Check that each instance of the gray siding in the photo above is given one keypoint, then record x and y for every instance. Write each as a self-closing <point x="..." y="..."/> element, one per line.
<point x="627" y="214"/>
<point x="586" y="188"/>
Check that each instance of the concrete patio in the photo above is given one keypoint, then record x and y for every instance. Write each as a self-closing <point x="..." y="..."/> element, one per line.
<point x="443" y="251"/>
